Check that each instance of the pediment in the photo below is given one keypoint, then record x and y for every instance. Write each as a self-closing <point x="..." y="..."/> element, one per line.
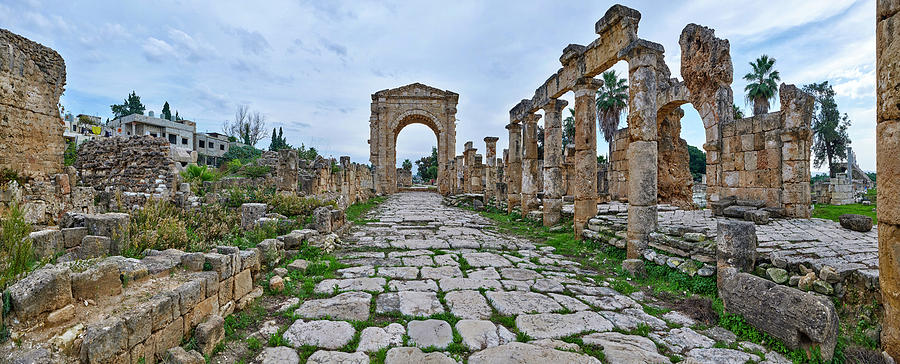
<point x="415" y="90"/>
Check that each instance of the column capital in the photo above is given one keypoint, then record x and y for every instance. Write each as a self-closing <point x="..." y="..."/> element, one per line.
<point x="514" y="127"/>
<point x="532" y="118"/>
<point x="586" y="85"/>
<point x="491" y="139"/>
<point x="641" y="53"/>
<point x="555" y="105"/>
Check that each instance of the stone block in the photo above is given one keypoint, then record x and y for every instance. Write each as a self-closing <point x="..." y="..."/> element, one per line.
<point x="888" y="134"/>
<point x="169" y="337"/>
<point x="93" y="246"/>
<point x="139" y="324"/>
<point x="193" y="261"/>
<point x="250" y="260"/>
<point x="856" y="222"/>
<point x="736" y="245"/>
<point x="226" y="290"/>
<point x="642" y="173"/>
<point x="888" y="53"/>
<point x="801" y="320"/>
<point x="72" y="236"/>
<point x="43" y="291"/>
<point x="46" y="243"/>
<point x="111" y="225"/>
<point x="271" y="251"/>
<point x="60" y="316"/>
<point x="737" y="211"/>
<point x="201" y="311"/>
<point x="222" y="264"/>
<point x="190" y="293"/>
<point x="209" y="333"/>
<point x="718" y="207"/>
<point x="164" y="308"/>
<point x="100" y="280"/>
<point x="243" y="284"/>
<point x="104" y="341"/>
<point x="758" y="217"/>
<point x="211" y="280"/>
<point x="250" y="212"/>
<point x="642" y="220"/>
<point x="177" y="355"/>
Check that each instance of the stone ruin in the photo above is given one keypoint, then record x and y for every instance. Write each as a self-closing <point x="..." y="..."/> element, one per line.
<point x="32" y="77"/>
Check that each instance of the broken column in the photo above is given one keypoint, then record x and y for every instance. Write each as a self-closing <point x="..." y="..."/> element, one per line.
<point x="585" y="152"/>
<point x="490" y="170"/>
<point x="642" y="151"/>
<point x="888" y="148"/>
<point x="478" y="175"/>
<point x="514" y="172"/>
<point x="469" y="157"/>
<point x="554" y="186"/>
<point x="530" y="168"/>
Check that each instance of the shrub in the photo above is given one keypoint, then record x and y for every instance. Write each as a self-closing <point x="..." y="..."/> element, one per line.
<point x="234" y="166"/>
<point x="17" y="252"/>
<point x="7" y="175"/>
<point x="245" y="154"/>
<point x="195" y="173"/>
<point x="70" y="154"/>
<point x="293" y="205"/>
<point x="254" y="171"/>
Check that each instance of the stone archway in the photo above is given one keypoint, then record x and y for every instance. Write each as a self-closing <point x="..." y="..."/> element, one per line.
<point x="394" y="109"/>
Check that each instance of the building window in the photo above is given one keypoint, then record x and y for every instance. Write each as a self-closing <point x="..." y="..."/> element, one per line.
<point x="153" y="135"/>
<point x="212" y="145"/>
<point x="221" y="146"/>
<point x="202" y="144"/>
<point x="184" y="141"/>
<point x="173" y="139"/>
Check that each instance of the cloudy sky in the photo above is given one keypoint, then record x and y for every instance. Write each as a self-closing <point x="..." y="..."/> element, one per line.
<point x="311" y="66"/>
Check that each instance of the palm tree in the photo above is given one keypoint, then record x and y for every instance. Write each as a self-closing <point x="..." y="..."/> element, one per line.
<point x="612" y="102"/>
<point x="763" y="84"/>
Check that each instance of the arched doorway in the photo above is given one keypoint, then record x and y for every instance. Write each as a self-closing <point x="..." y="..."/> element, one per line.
<point x="394" y="109"/>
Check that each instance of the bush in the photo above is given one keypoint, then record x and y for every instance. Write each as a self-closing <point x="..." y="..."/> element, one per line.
<point x="7" y="175"/>
<point x="233" y="166"/>
<point x="245" y="154"/>
<point x="254" y="171"/>
<point x="70" y="154"/>
<point x="17" y="252"/>
<point x="293" y="205"/>
<point x="195" y="173"/>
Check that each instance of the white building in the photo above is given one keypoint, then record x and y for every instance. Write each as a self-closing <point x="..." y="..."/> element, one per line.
<point x="180" y="133"/>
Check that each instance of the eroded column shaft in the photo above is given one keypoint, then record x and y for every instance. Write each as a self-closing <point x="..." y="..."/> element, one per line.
<point x="642" y="151"/>
<point x="585" y="152"/>
<point x="490" y="170"/>
<point x="514" y="175"/>
<point x="530" y="168"/>
<point x="554" y="187"/>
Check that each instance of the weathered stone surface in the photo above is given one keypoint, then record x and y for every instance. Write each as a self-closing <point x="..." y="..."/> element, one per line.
<point x="278" y="355"/>
<point x="799" y="319"/>
<point x="515" y="303"/>
<point x="736" y="245"/>
<point x="629" y="319"/>
<point x="99" y="280"/>
<point x="327" y="357"/>
<point x="323" y="333"/>
<point x="467" y="304"/>
<point x="103" y="341"/>
<point x="414" y="285"/>
<point x="43" y="291"/>
<point x="409" y="355"/>
<point x="250" y="213"/>
<point x="453" y="284"/>
<point x="570" y="303"/>
<point x="626" y="349"/>
<point x="478" y="334"/>
<point x="519" y="274"/>
<point x="410" y="272"/>
<point x="861" y="223"/>
<point x="527" y="353"/>
<point x="717" y="356"/>
<point x="553" y="325"/>
<point x="373" y="339"/>
<point x="353" y="284"/>
<point x="683" y="339"/>
<point x="345" y="306"/>
<point x="46" y="243"/>
<point x="777" y="275"/>
<point x="177" y="355"/>
<point x="427" y="333"/>
<point x="419" y="304"/>
<point x="209" y="333"/>
<point x="92" y="246"/>
<point x="485" y="259"/>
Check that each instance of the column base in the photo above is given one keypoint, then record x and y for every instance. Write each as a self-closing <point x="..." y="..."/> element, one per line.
<point x="552" y="211"/>
<point x="634" y="267"/>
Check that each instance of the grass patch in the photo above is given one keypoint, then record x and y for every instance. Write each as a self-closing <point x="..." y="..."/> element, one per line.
<point x="834" y="212"/>
<point x="16" y="250"/>
<point x="356" y="211"/>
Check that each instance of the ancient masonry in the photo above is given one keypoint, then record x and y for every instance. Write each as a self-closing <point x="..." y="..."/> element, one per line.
<point x="394" y="109"/>
<point x="888" y="148"/>
<point x="32" y="77"/>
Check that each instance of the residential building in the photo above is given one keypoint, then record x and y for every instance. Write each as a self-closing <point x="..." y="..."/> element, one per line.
<point x="210" y="148"/>
<point x="179" y="133"/>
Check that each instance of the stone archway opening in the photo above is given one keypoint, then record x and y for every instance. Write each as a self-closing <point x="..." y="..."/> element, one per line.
<point x="394" y="109"/>
<point x="415" y="139"/>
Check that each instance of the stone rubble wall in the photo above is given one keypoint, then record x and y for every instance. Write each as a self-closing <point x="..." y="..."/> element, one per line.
<point x="352" y="183"/>
<point x="138" y="165"/>
<point x="215" y="284"/>
<point x="404" y="178"/>
<point x="44" y="202"/>
<point x="32" y="78"/>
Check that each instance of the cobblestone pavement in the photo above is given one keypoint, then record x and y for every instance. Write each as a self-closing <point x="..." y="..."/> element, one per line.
<point x="813" y="242"/>
<point x="436" y="284"/>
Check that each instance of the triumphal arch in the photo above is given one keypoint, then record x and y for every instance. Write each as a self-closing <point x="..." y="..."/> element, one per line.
<point x="393" y="110"/>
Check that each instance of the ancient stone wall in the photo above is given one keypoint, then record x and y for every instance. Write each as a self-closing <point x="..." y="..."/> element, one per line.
<point x="32" y="77"/>
<point x="404" y="177"/>
<point x="139" y="165"/>
<point x="283" y="168"/>
<point x="345" y="183"/>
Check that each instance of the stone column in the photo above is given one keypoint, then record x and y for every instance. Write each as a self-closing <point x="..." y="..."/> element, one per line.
<point x="554" y="187"/>
<point x="514" y="172"/>
<point x="469" y="155"/>
<point x="460" y="173"/>
<point x="642" y="151"/>
<point x="478" y="175"/>
<point x="490" y="171"/>
<point x="585" y="152"/>
<point x="887" y="149"/>
<point x="530" y="168"/>
<point x="570" y="172"/>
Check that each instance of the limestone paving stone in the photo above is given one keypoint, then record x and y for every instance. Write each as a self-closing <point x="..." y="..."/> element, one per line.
<point x="511" y="285"/>
<point x="356" y="272"/>
<point x="610" y="303"/>
<point x="452" y="284"/>
<point x="484" y="259"/>
<point x="424" y="285"/>
<point x="683" y="339"/>
<point x="419" y="303"/>
<point x="570" y="303"/>
<point x="353" y="284"/>
<point x="515" y="303"/>
<point x="278" y="355"/>
<point x="478" y="334"/>
<point x="428" y="333"/>
<point x="719" y="356"/>
<point x="519" y="274"/>
<point x="467" y="304"/>
<point x="516" y="352"/>
<point x="487" y="273"/>
<point x="411" y="355"/>
<point x="373" y="339"/>
<point x="441" y="272"/>
<point x="399" y="272"/>
<point x="631" y="318"/>
<point x="626" y="349"/>
<point x="554" y="325"/>
<point x="547" y="285"/>
<point x="329" y="357"/>
<point x="323" y="333"/>
<point x="345" y="306"/>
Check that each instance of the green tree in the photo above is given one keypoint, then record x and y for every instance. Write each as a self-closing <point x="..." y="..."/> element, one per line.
<point x="307" y="154"/>
<point x="569" y="129"/>
<point x="427" y="166"/>
<point x="738" y="112"/>
<point x="612" y="102"/>
<point x="830" y="138"/>
<point x="278" y="141"/>
<point x="132" y="105"/>
<point x="407" y="165"/>
<point x="762" y="84"/>
<point x="245" y="154"/>
<point x="601" y="159"/>
<point x="697" y="162"/>
<point x="166" y="112"/>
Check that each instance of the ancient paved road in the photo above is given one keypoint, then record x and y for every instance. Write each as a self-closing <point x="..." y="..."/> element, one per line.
<point x="423" y="266"/>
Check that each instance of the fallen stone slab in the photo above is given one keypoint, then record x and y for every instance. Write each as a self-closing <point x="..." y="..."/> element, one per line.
<point x="554" y="325"/>
<point x="737" y="211"/>
<point x="517" y="302"/>
<point x="626" y="349"/>
<point x="324" y="334"/>
<point x="855" y="222"/>
<point x="526" y="353"/>
<point x="44" y="290"/>
<point x="410" y="355"/>
<point x="345" y="306"/>
<point x="429" y="333"/>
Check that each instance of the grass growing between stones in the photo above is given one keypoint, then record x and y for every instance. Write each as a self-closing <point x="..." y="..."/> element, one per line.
<point x="16" y="251"/>
<point x="355" y="212"/>
<point x="665" y="283"/>
<point x="834" y="212"/>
